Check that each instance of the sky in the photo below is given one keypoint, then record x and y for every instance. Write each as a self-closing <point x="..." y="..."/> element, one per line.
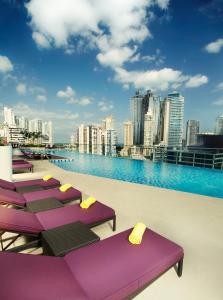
<point x="76" y="61"/>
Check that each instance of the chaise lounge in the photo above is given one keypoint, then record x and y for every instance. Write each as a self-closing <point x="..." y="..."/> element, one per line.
<point x="111" y="269"/>
<point x="20" y="200"/>
<point x="50" y="183"/>
<point x="32" y="224"/>
<point x="22" y="166"/>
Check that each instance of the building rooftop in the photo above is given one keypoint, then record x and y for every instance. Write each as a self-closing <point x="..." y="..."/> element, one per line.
<point x="193" y="221"/>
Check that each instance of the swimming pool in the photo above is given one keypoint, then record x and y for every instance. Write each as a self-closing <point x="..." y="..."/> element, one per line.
<point x="177" y="177"/>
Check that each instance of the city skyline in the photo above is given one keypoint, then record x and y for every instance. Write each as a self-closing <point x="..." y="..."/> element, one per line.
<point x="79" y="71"/>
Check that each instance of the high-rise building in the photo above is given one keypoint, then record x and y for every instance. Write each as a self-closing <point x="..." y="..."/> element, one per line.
<point x="219" y="125"/>
<point x="171" y="125"/>
<point x="108" y="123"/>
<point x="192" y="130"/>
<point x="128" y="134"/>
<point x="9" y="117"/>
<point x="154" y="106"/>
<point x="148" y="128"/>
<point x="110" y="142"/>
<point x="139" y="107"/>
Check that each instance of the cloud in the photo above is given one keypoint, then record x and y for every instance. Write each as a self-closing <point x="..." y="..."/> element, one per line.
<point x="23" y="109"/>
<point x="214" y="47"/>
<point x="70" y="95"/>
<point x="67" y="93"/>
<point x="219" y="87"/>
<point x="105" y="106"/>
<point x="196" y="81"/>
<point x="37" y="90"/>
<point x="114" y="27"/>
<point x="156" y="80"/>
<point x="84" y="101"/>
<point x="41" y="40"/>
<point x="21" y="89"/>
<point x="218" y="102"/>
<point x="5" y="64"/>
<point x="41" y="98"/>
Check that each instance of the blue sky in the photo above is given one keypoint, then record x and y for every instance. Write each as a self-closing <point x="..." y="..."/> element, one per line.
<point x="76" y="61"/>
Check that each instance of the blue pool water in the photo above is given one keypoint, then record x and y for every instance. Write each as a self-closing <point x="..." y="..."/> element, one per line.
<point x="182" y="178"/>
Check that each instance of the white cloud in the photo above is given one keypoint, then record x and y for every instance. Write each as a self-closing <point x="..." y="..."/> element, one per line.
<point x="37" y="90"/>
<point x="67" y="93"/>
<point x="85" y="101"/>
<point x="5" y="64"/>
<point x="41" y="98"/>
<point x="156" y="80"/>
<point x="70" y="94"/>
<point x="220" y="86"/>
<point x="214" y="47"/>
<point x="105" y="106"/>
<point x="218" y="102"/>
<point x="116" y="57"/>
<point x="115" y="27"/>
<point x="21" y="89"/>
<point x="41" y="40"/>
<point x="196" y="81"/>
<point x="22" y="109"/>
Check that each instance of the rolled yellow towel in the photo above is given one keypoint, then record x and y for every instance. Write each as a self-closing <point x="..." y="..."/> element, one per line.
<point x="65" y="187"/>
<point x="87" y="203"/>
<point x="136" y="235"/>
<point x="47" y="177"/>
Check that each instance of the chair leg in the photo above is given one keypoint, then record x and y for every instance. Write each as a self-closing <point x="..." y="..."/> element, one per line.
<point x="180" y="267"/>
<point x="114" y="224"/>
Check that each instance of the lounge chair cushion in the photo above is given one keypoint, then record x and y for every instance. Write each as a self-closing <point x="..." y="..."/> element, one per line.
<point x="7" y="184"/>
<point x="22" y="166"/>
<point x="14" y="220"/>
<point x="71" y="194"/>
<point x="39" y="182"/>
<point x="31" y="277"/>
<point x="119" y="268"/>
<point x="12" y="197"/>
<point x="111" y="269"/>
<point x="68" y="214"/>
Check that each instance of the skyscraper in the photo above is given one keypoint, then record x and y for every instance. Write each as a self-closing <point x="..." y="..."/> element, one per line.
<point x="128" y="134"/>
<point x="108" y="123"/>
<point x="9" y="117"/>
<point x="139" y="107"/>
<point x="148" y="128"/>
<point x="219" y="125"/>
<point x="192" y="130"/>
<point x="171" y="126"/>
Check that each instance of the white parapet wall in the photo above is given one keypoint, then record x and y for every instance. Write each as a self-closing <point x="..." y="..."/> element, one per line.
<point x="6" y="163"/>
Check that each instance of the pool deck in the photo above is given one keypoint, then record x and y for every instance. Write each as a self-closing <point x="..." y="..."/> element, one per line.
<point x="193" y="221"/>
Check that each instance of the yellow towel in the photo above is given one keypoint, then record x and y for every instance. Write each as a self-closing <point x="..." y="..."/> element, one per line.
<point x="136" y="235"/>
<point x="47" y="177"/>
<point x="65" y="187"/>
<point x="88" y="202"/>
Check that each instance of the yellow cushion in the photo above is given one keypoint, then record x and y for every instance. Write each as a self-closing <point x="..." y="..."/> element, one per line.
<point x="65" y="187"/>
<point x="47" y="177"/>
<point x="136" y="235"/>
<point x="88" y="202"/>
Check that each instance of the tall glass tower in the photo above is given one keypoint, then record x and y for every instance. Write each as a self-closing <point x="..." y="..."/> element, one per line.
<point x="139" y="107"/>
<point x="191" y="132"/>
<point x="172" y="120"/>
<point x="219" y="125"/>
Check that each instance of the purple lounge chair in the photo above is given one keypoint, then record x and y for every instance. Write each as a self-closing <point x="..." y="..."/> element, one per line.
<point x="22" y="166"/>
<point x="12" y="197"/>
<point x="32" y="224"/>
<point x="52" y="182"/>
<point x="111" y="269"/>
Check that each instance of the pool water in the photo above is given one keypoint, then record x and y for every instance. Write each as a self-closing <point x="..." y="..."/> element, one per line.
<point x="196" y="180"/>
